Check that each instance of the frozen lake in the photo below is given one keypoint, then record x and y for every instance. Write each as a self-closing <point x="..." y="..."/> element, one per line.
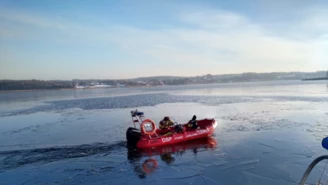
<point x="268" y="133"/>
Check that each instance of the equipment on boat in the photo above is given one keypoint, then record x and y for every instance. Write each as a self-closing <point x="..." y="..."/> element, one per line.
<point x="150" y="136"/>
<point x="324" y="144"/>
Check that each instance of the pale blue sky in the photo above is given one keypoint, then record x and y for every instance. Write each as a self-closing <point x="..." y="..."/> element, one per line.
<point x="67" y="39"/>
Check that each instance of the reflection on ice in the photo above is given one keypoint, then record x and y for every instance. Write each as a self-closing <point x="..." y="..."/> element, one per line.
<point x="149" y="164"/>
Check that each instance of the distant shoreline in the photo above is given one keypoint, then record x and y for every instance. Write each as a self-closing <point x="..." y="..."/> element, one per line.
<point x="79" y="89"/>
<point x="314" y="79"/>
<point x="33" y="85"/>
<point x="128" y="87"/>
<point x="28" y="90"/>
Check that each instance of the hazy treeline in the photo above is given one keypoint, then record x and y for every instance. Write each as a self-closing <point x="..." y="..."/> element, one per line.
<point x="159" y="80"/>
<point x="34" y="84"/>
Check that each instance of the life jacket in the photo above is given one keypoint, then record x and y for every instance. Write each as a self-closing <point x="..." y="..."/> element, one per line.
<point x="165" y="124"/>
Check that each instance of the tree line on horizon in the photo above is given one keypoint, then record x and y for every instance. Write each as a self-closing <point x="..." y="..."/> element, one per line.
<point x="34" y="84"/>
<point x="155" y="81"/>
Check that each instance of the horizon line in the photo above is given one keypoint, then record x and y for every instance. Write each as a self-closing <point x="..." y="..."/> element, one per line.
<point x="165" y="76"/>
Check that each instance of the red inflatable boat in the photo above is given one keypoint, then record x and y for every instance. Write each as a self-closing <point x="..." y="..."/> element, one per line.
<point x="149" y="136"/>
<point x="207" y="142"/>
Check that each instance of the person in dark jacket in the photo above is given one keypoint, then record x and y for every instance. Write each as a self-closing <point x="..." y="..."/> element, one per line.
<point x="192" y="124"/>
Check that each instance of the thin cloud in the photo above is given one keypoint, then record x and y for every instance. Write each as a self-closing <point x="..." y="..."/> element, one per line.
<point x="224" y="41"/>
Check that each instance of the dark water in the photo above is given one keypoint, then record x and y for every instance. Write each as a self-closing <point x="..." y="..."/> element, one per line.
<point x="267" y="134"/>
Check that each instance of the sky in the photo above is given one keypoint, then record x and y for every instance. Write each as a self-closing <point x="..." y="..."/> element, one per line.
<point x="119" y="39"/>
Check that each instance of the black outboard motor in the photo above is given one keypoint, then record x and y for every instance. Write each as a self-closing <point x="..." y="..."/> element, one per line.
<point x="133" y="135"/>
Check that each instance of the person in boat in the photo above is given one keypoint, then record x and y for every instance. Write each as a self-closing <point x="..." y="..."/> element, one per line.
<point x="165" y="126"/>
<point x="192" y="124"/>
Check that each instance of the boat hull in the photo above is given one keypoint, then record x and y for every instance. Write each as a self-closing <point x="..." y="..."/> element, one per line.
<point x="206" y="128"/>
